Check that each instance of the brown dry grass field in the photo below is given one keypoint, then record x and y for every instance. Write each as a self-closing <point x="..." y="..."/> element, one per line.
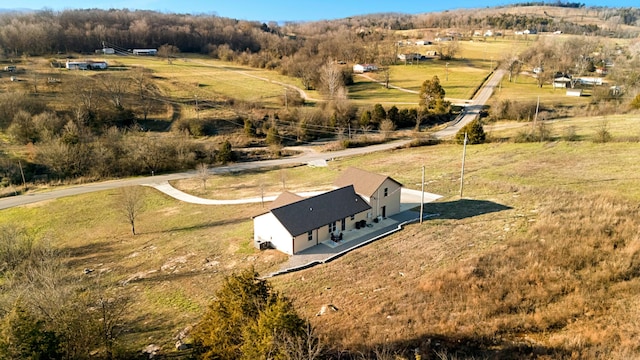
<point x="540" y="258"/>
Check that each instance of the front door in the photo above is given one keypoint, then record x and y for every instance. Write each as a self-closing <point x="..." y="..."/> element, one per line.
<point x="384" y="212"/>
<point x="344" y="224"/>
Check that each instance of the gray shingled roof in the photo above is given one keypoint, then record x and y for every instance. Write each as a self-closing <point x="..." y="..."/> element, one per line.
<point x="314" y="212"/>
<point x="365" y="183"/>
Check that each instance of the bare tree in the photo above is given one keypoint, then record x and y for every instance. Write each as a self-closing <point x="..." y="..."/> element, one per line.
<point x="203" y="174"/>
<point x="148" y="92"/>
<point x="305" y="346"/>
<point x="331" y="78"/>
<point x="131" y="204"/>
<point x="112" y="308"/>
<point x="115" y="87"/>
<point x="386" y="128"/>
<point x="168" y="52"/>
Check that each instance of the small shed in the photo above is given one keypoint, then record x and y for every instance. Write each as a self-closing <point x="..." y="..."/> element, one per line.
<point x="574" y="92"/>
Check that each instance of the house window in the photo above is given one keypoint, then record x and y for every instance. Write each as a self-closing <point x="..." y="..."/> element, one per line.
<point x="310" y="235"/>
<point x="332" y="227"/>
<point x="353" y="217"/>
<point x="386" y="192"/>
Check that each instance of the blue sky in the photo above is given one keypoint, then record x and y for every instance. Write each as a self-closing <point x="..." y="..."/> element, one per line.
<point x="300" y="10"/>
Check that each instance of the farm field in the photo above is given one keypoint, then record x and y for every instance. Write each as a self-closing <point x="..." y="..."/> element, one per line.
<point x="512" y="192"/>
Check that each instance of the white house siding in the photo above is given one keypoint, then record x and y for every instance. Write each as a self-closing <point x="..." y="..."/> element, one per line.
<point x="267" y="228"/>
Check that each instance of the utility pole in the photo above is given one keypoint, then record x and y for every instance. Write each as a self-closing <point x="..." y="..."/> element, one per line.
<point x="464" y="153"/>
<point x="535" y="118"/>
<point x="422" y="197"/>
<point x="24" y="183"/>
<point x="286" y="102"/>
<point x="197" y="108"/>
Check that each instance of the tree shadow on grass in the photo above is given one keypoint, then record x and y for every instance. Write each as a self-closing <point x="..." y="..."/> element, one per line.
<point x="433" y="346"/>
<point x="87" y="253"/>
<point x="463" y="208"/>
<point x="200" y="226"/>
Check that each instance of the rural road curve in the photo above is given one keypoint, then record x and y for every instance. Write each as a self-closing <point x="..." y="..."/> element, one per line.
<point x="307" y="157"/>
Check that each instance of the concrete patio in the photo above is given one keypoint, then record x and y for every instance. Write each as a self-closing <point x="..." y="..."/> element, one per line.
<point x="352" y="239"/>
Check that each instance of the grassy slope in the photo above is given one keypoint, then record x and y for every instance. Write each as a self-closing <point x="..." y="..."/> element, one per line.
<point x="524" y="214"/>
<point x="542" y="253"/>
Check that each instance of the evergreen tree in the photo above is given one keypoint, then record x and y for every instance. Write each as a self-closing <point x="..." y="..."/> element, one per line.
<point x="225" y="153"/>
<point x="365" y="119"/>
<point x="22" y="336"/>
<point x="432" y="96"/>
<point x="475" y="133"/>
<point x="378" y="114"/>
<point x="248" y="320"/>
<point x="394" y="115"/>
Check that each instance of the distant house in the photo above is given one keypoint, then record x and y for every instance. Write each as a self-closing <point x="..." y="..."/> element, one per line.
<point x="588" y="80"/>
<point x="562" y="82"/>
<point x="86" y="65"/>
<point x="294" y="224"/>
<point x="10" y="68"/>
<point x="363" y="68"/>
<point x="423" y="42"/>
<point x="148" y="52"/>
<point x="106" y="51"/>
<point x="409" y="57"/>
<point x="488" y="33"/>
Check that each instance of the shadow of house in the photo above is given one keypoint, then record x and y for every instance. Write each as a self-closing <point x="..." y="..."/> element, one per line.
<point x="463" y="208"/>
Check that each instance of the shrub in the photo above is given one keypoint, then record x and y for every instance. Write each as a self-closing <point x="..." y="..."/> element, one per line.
<point x="475" y="133"/>
<point x="570" y="134"/>
<point x="602" y="134"/>
<point x="635" y="103"/>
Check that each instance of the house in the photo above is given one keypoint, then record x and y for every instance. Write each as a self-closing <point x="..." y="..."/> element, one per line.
<point x="363" y="68"/>
<point x="148" y="52"/>
<point x="409" y="56"/>
<point x="423" y="42"/>
<point x="562" y="81"/>
<point x="380" y="191"/>
<point x="488" y="33"/>
<point x="587" y="80"/>
<point x="86" y="65"/>
<point x="106" y="51"/>
<point x="10" y="68"/>
<point x="293" y="224"/>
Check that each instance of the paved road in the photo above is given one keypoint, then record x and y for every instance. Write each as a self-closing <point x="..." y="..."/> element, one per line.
<point x="472" y="110"/>
<point x="307" y="157"/>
